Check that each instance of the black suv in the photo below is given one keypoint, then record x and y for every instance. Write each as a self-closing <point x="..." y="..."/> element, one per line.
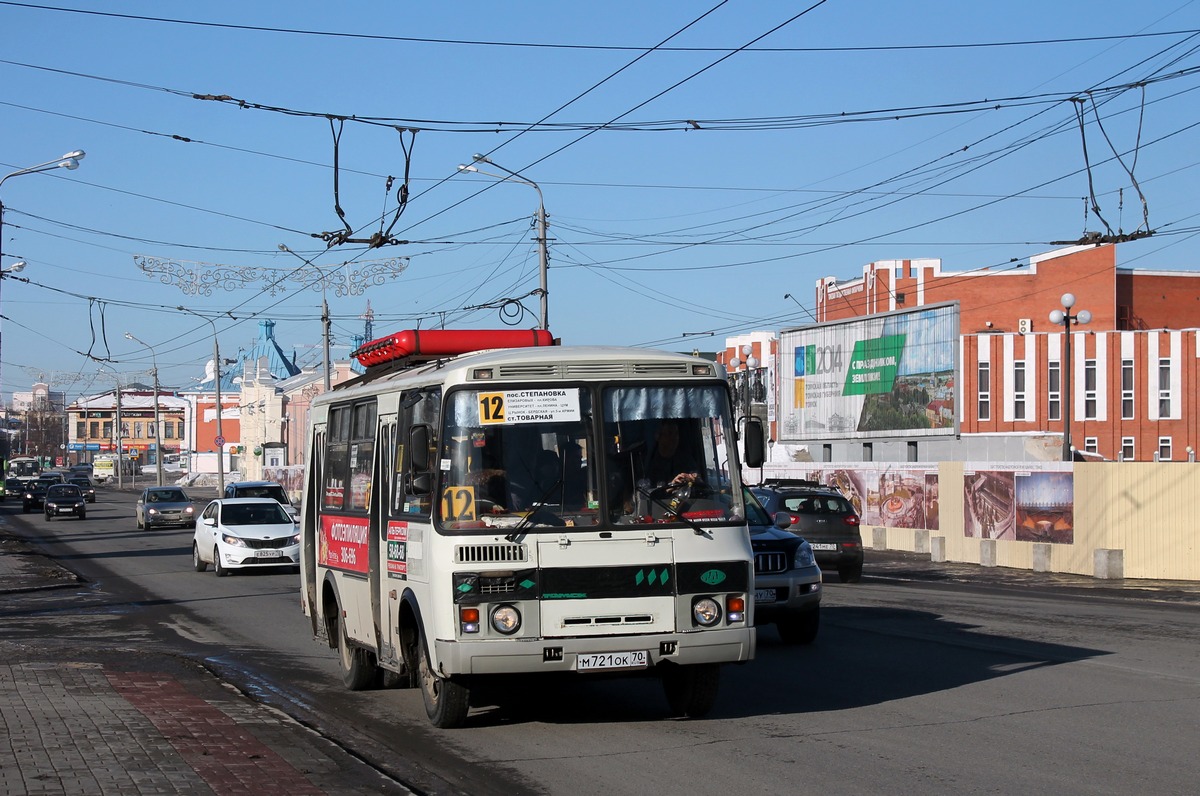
<point x="824" y="517"/>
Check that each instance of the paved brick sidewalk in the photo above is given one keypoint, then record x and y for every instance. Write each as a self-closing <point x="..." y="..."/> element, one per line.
<point x="78" y="720"/>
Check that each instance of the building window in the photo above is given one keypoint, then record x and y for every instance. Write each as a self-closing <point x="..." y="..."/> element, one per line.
<point x="1164" y="449"/>
<point x="1164" y="388"/>
<point x="80" y="429"/>
<point x="94" y="431"/>
<point x="985" y="391"/>
<point x="1127" y="407"/>
<point x="1127" y="451"/>
<point x="1018" y="390"/>
<point x="1054" y="388"/>
<point x="108" y="428"/>
<point x="137" y="430"/>
<point x="1091" y="444"/>
<point x="1089" y="389"/>
<point x="168" y="430"/>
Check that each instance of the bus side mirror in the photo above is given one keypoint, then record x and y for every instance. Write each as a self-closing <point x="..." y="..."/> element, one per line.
<point x="418" y="446"/>
<point x="754" y="445"/>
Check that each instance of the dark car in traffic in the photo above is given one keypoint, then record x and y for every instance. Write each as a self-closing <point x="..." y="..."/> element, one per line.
<point x="787" y="580"/>
<point x="85" y="486"/>
<point x="64" y="500"/>
<point x="824" y="517"/>
<point x="33" y="495"/>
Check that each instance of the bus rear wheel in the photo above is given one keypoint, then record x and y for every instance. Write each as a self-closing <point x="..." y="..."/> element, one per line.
<point x="446" y="701"/>
<point x="691" y="690"/>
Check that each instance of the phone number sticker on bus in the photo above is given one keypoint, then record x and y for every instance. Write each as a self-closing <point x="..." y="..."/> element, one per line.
<point x="397" y="550"/>
<point x="343" y="543"/>
<point x="529" y="406"/>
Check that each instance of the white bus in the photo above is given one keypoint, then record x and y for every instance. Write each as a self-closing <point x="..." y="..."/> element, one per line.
<point x="491" y="513"/>
<point x="23" y="467"/>
<point x="110" y="467"/>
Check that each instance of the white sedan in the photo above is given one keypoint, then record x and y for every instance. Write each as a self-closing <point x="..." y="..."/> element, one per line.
<point x="235" y="533"/>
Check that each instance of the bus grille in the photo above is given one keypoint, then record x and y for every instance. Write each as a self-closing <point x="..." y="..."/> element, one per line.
<point x="770" y="563"/>
<point x="490" y="553"/>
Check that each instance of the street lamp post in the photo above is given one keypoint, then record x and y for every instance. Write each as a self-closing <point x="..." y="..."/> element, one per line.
<point x="1064" y="318"/>
<point x="217" y="386"/>
<point x="751" y="363"/>
<point x="68" y="161"/>
<point x="543" y="252"/>
<point x="158" y="451"/>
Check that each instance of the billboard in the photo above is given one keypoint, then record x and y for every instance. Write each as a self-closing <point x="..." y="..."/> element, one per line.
<point x="888" y="375"/>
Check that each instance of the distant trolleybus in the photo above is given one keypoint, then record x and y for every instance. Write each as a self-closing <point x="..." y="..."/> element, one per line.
<point x="517" y="509"/>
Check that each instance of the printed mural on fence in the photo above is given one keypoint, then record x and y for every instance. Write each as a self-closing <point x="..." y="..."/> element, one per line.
<point x="1017" y="504"/>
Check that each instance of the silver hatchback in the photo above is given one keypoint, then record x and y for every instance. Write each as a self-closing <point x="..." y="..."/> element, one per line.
<point x="165" y="507"/>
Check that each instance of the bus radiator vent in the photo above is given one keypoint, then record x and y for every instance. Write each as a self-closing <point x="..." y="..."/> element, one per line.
<point x="490" y="553"/>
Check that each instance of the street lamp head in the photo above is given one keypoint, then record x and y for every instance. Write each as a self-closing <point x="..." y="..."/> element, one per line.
<point x="77" y="155"/>
<point x="461" y="167"/>
<point x="1068" y="300"/>
<point x="1056" y="317"/>
<point x="16" y="267"/>
<point x="1083" y="316"/>
<point x="478" y="157"/>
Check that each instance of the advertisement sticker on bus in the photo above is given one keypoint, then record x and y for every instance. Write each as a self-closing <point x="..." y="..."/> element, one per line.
<point x="397" y="550"/>
<point x="529" y="406"/>
<point x="343" y="543"/>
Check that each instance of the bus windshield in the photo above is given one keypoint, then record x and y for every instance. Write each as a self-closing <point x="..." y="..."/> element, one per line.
<point x="530" y="458"/>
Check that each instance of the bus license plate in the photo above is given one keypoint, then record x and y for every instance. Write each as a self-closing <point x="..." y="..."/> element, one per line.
<point x="634" y="659"/>
<point x="267" y="553"/>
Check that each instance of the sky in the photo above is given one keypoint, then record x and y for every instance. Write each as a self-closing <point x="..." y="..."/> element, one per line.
<point x="697" y="162"/>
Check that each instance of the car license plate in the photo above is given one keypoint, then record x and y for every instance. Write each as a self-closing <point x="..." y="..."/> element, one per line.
<point x="764" y="596"/>
<point x="634" y="659"/>
<point x="824" y="546"/>
<point x="267" y="553"/>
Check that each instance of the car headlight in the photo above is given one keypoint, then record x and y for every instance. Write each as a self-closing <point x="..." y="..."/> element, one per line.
<point x="152" y="511"/>
<point x="506" y="619"/>
<point x="51" y="505"/>
<point x="296" y="538"/>
<point x="804" y="556"/>
<point x="706" y="611"/>
<point x="189" y="510"/>
<point x="235" y="541"/>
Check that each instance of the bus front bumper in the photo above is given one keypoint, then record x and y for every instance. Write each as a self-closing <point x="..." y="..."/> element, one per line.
<point x="515" y="656"/>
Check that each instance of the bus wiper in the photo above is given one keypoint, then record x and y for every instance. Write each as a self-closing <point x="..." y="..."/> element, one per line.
<point x="537" y="510"/>
<point x="699" y="529"/>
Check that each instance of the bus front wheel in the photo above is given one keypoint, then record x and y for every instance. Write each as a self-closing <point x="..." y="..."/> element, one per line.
<point x="446" y="701"/>
<point x="691" y="690"/>
<point x="357" y="670"/>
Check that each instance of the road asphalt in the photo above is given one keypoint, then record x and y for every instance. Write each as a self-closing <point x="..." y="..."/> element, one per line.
<point x="109" y="721"/>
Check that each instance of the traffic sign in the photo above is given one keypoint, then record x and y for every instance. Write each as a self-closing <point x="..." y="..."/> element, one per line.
<point x="220" y="442"/>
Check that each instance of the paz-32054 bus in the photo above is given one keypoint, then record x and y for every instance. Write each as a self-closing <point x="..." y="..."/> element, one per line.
<point x="527" y="508"/>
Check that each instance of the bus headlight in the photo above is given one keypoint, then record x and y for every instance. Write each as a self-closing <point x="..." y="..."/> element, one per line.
<point x="506" y="619"/>
<point x="706" y="611"/>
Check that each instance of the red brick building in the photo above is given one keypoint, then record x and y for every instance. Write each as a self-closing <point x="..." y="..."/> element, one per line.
<point x="1135" y="367"/>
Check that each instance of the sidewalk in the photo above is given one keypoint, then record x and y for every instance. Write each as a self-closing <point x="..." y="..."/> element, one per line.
<point x="78" y="720"/>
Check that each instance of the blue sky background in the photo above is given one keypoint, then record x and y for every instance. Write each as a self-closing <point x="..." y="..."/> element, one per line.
<point x="826" y="135"/>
